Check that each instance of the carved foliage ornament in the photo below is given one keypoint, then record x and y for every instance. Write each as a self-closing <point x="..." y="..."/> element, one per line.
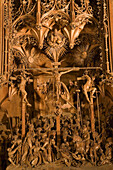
<point x="70" y="17"/>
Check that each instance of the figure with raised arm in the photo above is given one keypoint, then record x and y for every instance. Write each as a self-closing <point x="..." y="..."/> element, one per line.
<point x="24" y="78"/>
<point x="88" y="86"/>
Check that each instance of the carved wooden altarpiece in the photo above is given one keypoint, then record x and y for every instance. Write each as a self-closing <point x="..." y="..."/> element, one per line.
<point x="56" y="63"/>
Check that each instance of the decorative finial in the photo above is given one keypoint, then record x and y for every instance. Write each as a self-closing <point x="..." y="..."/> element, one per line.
<point x="86" y="1"/>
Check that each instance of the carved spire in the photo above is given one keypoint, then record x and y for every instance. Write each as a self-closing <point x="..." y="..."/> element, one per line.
<point x="38" y="15"/>
<point x="72" y="11"/>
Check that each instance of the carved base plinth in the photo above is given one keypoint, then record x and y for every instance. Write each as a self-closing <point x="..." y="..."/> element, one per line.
<point x="54" y="166"/>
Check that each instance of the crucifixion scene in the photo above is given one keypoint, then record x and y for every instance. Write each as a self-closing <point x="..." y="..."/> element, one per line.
<point x="56" y="84"/>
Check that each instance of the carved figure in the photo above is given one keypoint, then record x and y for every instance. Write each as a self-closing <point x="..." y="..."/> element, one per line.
<point x="28" y="142"/>
<point x="76" y="146"/>
<point x="95" y="149"/>
<point x="25" y="77"/>
<point x="54" y="26"/>
<point x="24" y="80"/>
<point x="108" y="152"/>
<point x="79" y="146"/>
<point x="37" y="160"/>
<point x="15" y="150"/>
<point x="42" y="92"/>
<point x="86" y="138"/>
<point x="89" y="86"/>
<point x="65" y="153"/>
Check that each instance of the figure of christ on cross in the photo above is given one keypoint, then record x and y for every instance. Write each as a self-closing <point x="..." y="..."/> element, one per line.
<point x="57" y="80"/>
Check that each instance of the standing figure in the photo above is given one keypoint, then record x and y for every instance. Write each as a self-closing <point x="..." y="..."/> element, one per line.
<point x="37" y="160"/>
<point x="14" y="152"/>
<point x="28" y="143"/>
<point x="42" y="93"/>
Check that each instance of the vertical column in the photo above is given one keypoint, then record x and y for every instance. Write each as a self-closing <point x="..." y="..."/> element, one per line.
<point x="58" y="104"/>
<point x="9" y="35"/>
<point x="23" y="114"/>
<point x="72" y="11"/>
<point x="58" y="116"/>
<point x="110" y="28"/>
<point x="38" y="13"/>
<point x="6" y="51"/>
<point x="93" y="125"/>
<point x="105" y="22"/>
<point x="58" y="130"/>
<point x="1" y="35"/>
<point x="92" y="117"/>
<point x="5" y="36"/>
<point x="23" y="117"/>
<point x="78" y="109"/>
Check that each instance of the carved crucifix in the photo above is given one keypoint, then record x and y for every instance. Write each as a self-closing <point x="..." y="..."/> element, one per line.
<point x="25" y="77"/>
<point x="89" y="87"/>
<point x="57" y="80"/>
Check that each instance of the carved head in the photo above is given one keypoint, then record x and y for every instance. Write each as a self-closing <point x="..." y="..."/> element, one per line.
<point x="70" y="83"/>
<point x="40" y="45"/>
<point x="31" y="127"/>
<point x="71" y="45"/>
<point x="24" y="2"/>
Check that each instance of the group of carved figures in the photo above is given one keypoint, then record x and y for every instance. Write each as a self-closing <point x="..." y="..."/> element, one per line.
<point x="77" y="145"/>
